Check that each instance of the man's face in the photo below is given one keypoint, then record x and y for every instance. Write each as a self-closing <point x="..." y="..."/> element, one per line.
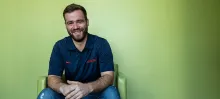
<point x="76" y="25"/>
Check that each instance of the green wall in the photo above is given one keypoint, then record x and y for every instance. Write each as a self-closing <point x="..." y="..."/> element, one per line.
<point x="168" y="49"/>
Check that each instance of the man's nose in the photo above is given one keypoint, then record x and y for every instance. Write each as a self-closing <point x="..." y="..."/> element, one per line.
<point x="75" y="26"/>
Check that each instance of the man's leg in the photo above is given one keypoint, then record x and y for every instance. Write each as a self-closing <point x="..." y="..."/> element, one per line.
<point x="48" y="93"/>
<point x="91" y="96"/>
<point x="110" y="92"/>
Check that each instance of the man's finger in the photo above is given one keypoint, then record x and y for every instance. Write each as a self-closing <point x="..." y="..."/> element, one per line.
<point x="72" y="94"/>
<point x="69" y="90"/>
<point x="79" y="95"/>
<point x="71" y="82"/>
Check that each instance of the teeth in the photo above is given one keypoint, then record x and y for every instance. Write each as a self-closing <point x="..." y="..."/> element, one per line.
<point x="75" y="32"/>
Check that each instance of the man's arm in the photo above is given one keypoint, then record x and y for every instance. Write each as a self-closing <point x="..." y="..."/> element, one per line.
<point x="106" y="67"/>
<point x="56" y="68"/>
<point x="104" y="81"/>
<point x="55" y="82"/>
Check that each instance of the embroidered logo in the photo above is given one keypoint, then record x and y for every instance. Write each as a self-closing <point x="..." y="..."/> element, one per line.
<point x="67" y="62"/>
<point x="91" y="61"/>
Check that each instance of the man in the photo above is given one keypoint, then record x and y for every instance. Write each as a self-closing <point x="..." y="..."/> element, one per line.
<point x="86" y="59"/>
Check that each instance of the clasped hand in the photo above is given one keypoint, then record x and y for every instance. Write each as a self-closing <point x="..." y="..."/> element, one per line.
<point x="75" y="90"/>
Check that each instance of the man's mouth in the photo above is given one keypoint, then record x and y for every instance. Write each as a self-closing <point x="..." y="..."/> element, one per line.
<point x="76" y="32"/>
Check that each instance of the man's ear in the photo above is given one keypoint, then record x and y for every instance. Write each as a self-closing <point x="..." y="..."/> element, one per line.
<point x="87" y="21"/>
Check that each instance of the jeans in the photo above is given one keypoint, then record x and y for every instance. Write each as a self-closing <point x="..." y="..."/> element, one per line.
<point x="110" y="92"/>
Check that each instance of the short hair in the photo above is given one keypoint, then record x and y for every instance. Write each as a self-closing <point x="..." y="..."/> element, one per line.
<point x="72" y="7"/>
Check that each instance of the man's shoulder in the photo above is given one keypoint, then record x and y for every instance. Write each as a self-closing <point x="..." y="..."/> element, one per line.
<point x="100" y="44"/>
<point x="63" y="41"/>
<point x="98" y="39"/>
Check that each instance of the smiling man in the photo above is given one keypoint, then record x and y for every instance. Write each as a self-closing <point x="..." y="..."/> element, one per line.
<point x="86" y="59"/>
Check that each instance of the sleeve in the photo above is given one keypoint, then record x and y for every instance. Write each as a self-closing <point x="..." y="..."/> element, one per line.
<point x="56" y="65"/>
<point x="105" y="57"/>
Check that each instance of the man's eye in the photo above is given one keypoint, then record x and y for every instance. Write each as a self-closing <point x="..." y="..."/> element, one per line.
<point x="80" y="21"/>
<point x="69" y="23"/>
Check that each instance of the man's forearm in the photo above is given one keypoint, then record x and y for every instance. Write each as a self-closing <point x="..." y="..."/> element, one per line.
<point x="100" y="84"/>
<point x="55" y="82"/>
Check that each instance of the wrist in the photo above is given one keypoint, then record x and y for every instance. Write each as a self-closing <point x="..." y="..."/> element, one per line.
<point x="61" y="89"/>
<point x="90" y="87"/>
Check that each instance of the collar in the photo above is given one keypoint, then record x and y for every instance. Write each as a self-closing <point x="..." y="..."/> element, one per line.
<point x="89" y="42"/>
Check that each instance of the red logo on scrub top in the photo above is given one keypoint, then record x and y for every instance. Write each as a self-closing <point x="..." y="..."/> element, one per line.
<point x="91" y="60"/>
<point x="67" y="62"/>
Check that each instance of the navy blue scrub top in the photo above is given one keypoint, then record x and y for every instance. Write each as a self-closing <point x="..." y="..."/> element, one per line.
<point x="85" y="66"/>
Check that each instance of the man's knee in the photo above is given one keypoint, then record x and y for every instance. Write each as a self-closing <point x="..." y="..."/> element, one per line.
<point x="111" y="92"/>
<point x="48" y="93"/>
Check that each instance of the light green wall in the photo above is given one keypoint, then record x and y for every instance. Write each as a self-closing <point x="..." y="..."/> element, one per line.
<point x="168" y="49"/>
<point x="202" y="50"/>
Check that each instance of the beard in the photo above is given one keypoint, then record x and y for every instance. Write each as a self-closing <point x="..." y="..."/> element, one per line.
<point x="78" y="38"/>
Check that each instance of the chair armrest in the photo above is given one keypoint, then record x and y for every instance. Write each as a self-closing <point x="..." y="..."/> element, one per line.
<point x="41" y="83"/>
<point x="122" y="85"/>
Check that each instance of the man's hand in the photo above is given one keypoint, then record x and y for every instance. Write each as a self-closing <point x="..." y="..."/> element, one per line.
<point x="66" y="89"/>
<point x="80" y="90"/>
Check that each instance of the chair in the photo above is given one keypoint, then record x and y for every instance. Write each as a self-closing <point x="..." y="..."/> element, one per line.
<point x="119" y="81"/>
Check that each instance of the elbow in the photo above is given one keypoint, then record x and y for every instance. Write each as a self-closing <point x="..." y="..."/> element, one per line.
<point x="49" y="81"/>
<point x="111" y="79"/>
